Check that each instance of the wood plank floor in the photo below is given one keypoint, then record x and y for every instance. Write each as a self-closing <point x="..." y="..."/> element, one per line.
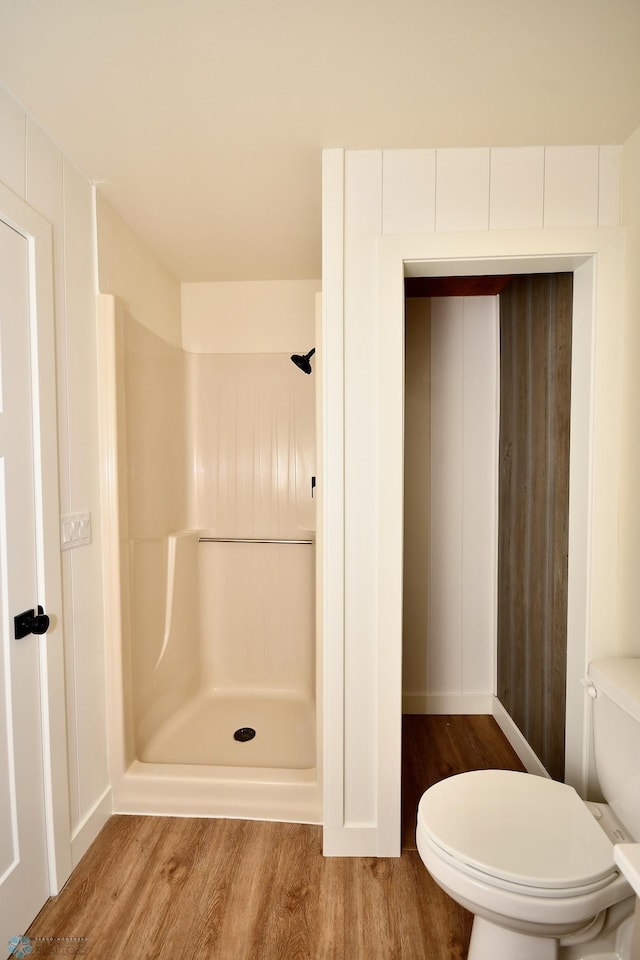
<point x="437" y="747"/>
<point x="169" y="887"/>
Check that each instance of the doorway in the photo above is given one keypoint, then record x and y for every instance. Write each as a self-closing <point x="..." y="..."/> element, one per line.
<point x="595" y="452"/>
<point x="35" y="850"/>
<point x="451" y="394"/>
<point x="485" y="574"/>
<point x="24" y="886"/>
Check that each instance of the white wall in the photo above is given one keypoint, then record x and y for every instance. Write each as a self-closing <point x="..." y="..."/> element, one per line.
<point x="629" y="512"/>
<point x="33" y="167"/>
<point x="504" y="188"/>
<point x="128" y="270"/>
<point x="276" y="316"/>
<point x="440" y="205"/>
<point x="451" y="483"/>
<point x="464" y="485"/>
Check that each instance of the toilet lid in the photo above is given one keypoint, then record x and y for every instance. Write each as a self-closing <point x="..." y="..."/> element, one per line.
<point x="518" y="828"/>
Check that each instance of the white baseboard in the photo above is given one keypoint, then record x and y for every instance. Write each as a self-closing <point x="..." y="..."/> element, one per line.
<point x="527" y="756"/>
<point x="442" y="703"/>
<point x="86" y="832"/>
<point x="350" y="841"/>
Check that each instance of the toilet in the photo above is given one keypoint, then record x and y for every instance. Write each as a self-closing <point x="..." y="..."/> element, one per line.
<point x="530" y="859"/>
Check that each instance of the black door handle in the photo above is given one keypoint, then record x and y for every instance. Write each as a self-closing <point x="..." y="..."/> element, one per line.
<point x="30" y="622"/>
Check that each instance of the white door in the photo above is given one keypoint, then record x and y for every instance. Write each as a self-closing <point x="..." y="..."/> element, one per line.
<point x="24" y="876"/>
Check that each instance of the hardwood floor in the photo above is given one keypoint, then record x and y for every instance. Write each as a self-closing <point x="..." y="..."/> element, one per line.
<point x="169" y="887"/>
<point x="437" y="747"/>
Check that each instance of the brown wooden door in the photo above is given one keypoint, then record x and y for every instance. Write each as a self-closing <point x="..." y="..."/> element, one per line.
<point x="535" y="395"/>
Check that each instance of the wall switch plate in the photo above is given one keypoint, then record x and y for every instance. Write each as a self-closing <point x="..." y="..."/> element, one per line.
<point x="75" y="530"/>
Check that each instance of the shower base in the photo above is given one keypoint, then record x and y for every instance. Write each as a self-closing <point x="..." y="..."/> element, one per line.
<point x="202" y="731"/>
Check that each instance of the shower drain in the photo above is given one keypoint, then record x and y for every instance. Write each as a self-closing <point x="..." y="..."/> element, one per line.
<point x="244" y="733"/>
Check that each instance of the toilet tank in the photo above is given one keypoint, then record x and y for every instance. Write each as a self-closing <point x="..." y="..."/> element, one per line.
<point x="615" y="688"/>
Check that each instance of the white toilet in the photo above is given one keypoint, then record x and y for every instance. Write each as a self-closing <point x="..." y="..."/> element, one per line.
<point x="530" y="859"/>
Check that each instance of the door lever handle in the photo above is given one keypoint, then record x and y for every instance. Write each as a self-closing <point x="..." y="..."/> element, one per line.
<point x="30" y="622"/>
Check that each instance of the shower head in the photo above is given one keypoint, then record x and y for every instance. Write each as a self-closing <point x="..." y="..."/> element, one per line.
<point x="302" y="361"/>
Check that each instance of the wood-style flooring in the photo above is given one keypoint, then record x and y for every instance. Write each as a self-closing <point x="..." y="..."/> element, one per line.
<point x="172" y="887"/>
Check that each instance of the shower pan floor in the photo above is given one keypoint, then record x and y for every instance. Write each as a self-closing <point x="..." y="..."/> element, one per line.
<point x="202" y="731"/>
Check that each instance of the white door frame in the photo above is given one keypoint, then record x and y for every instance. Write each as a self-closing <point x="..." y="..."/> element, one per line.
<point x="39" y="235"/>
<point x="597" y="259"/>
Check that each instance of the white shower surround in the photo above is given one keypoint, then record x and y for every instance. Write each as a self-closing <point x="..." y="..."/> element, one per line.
<point x="177" y="692"/>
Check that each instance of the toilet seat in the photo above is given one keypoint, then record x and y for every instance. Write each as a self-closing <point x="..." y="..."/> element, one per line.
<point x="516" y="831"/>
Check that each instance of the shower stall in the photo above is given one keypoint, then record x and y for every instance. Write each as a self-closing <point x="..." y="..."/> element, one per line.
<point x="211" y="578"/>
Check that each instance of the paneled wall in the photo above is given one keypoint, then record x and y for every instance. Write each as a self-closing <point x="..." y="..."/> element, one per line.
<point x="464" y="432"/>
<point x="252" y="424"/>
<point x="257" y="614"/>
<point x="499" y="188"/>
<point x="451" y="430"/>
<point x="383" y="207"/>
<point x="34" y="168"/>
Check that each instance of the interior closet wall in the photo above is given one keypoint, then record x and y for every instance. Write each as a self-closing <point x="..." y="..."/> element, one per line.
<point x="451" y="436"/>
<point x="535" y="397"/>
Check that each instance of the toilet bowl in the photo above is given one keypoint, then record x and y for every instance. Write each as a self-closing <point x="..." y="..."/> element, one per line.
<point x="525" y="855"/>
<point x="529" y="858"/>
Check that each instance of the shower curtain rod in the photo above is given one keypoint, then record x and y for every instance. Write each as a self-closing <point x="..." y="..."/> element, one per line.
<point x="247" y="540"/>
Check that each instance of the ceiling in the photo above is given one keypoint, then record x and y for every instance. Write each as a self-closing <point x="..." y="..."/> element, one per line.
<point x="203" y="121"/>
